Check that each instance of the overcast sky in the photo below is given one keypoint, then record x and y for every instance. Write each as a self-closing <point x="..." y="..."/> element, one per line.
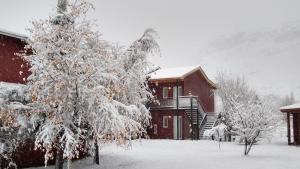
<point x="259" y="39"/>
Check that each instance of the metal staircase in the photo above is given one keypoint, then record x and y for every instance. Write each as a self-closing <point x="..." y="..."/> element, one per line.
<point x="194" y="116"/>
<point x="209" y="124"/>
<point x="200" y="121"/>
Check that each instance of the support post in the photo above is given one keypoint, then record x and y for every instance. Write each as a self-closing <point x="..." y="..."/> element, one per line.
<point x="288" y="129"/>
<point x="192" y="134"/>
<point x="177" y="109"/>
<point x="197" y="125"/>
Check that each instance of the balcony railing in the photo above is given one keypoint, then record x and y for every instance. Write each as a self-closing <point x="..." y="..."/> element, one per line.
<point x="171" y="103"/>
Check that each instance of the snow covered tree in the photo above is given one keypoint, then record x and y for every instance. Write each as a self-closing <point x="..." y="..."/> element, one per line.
<point x="247" y="115"/>
<point x="129" y="89"/>
<point x="15" y="126"/>
<point x="85" y="90"/>
<point x="133" y="77"/>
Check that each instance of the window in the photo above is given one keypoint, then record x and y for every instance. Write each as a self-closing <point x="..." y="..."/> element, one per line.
<point x="155" y="129"/>
<point x="175" y="91"/>
<point x="165" y="121"/>
<point x="165" y="92"/>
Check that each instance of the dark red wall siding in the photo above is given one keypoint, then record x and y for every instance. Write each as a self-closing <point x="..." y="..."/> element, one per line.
<point x="167" y="133"/>
<point x="197" y="85"/>
<point x="159" y="89"/>
<point x="10" y="64"/>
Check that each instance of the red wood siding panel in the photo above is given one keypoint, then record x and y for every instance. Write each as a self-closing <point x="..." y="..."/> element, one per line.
<point x="159" y="89"/>
<point x="10" y="64"/>
<point x="167" y="133"/>
<point x="198" y="86"/>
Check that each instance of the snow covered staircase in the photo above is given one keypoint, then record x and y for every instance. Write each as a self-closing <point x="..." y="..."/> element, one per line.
<point x="209" y="124"/>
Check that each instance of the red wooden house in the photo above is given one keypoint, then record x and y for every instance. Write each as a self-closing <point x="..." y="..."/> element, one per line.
<point x="185" y="103"/>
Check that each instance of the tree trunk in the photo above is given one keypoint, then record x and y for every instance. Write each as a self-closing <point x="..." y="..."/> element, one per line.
<point x="59" y="163"/>
<point x="252" y="142"/>
<point x="1" y="165"/>
<point x="96" y="156"/>
<point x="246" y="145"/>
<point x="250" y="147"/>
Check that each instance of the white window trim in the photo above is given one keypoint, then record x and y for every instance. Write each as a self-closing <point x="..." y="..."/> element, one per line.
<point x="165" y="96"/>
<point x="165" y="125"/>
<point x="175" y="92"/>
<point x="155" y="129"/>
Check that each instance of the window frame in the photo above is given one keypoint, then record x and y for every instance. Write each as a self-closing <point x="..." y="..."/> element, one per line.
<point x="165" y="95"/>
<point x="165" y="121"/>
<point x="180" y="92"/>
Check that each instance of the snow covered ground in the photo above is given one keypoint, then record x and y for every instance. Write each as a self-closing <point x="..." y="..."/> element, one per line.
<point x="187" y="154"/>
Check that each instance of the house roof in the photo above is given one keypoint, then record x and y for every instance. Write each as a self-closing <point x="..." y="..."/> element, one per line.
<point x="178" y="73"/>
<point x="294" y="108"/>
<point x="13" y="34"/>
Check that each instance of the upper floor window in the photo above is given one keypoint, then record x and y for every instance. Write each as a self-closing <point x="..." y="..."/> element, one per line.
<point x="165" y="92"/>
<point x="175" y="91"/>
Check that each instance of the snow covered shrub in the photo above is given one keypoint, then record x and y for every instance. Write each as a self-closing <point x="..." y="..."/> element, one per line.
<point x="84" y="88"/>
<point x="247" y="116"/>
<point x="15" y="126"/>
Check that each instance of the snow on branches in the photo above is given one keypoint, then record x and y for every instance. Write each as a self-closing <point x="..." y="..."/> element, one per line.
<point x="15" y="125"/>
<point x="246" y="114"/>
<point x="83" y="87"/>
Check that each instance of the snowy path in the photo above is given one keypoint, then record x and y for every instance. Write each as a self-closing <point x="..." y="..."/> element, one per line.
<point x="173" y="154"/>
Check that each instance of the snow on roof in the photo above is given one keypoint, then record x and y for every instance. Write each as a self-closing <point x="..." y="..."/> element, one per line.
<point x="178" y="73"/>
<point x="291" y="107"/>
<point x="13" y="34"/>
<point x="173" y="73"/>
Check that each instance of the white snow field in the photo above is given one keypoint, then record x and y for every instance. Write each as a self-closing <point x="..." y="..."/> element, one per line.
<point x="187" y="154"/>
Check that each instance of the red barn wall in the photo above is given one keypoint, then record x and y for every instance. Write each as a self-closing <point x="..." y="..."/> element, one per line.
<point x="10" y="64"/>
<point x="198" y="86"/>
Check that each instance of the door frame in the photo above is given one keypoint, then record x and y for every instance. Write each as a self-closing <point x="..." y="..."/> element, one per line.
<point x="177" y="119"/>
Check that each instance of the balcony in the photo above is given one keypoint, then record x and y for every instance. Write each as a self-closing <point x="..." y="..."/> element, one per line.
<point x="184" y="102"/>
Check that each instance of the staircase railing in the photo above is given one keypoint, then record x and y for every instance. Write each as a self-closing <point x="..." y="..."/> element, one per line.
<point x="203" y="115"/>
<point x="202" y="123"/>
